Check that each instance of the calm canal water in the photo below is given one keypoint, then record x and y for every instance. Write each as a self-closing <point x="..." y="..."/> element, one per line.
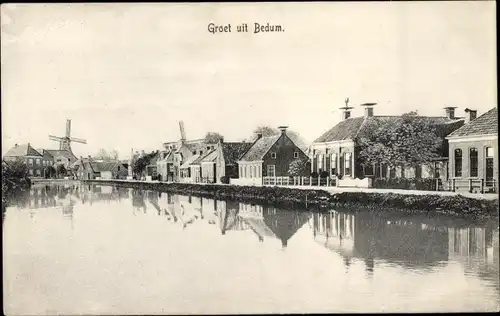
<point x="89" y="249"/>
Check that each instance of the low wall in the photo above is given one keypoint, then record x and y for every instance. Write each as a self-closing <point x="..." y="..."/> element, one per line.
<point x="456" y="206"/>
<point x="355" y="183"/>
<point x="246" y="181"/>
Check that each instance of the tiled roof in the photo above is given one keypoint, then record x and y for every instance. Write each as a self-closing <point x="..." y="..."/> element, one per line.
<point x="260" y="147"/>
<point x="189" y="161"/>
<point x="99" y="166"/>
<point x="63" y="153"/>
<point x="234" y="151"/>
<point x="485" y="124"/>
<point x="348" y="129"/>
<point x="21" y="151"/>
<point x="45" y="153"/>
<point x="210" y="157"/>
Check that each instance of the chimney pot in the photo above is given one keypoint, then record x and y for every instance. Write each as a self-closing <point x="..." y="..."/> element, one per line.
<point x="368" y="109"/>
<point x="283" y="129"/>
<point x="450" y="112"/>
<point x="15" y="145"/>
<point x="471" y="115"/>
<point x="259" y="135"/>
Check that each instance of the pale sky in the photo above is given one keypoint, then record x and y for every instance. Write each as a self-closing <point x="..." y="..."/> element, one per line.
<point x="127" y="73"/>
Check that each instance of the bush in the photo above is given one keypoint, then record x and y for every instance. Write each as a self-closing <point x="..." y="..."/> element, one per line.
<point x="224" y="179"/>
<point x="314" y="174"/>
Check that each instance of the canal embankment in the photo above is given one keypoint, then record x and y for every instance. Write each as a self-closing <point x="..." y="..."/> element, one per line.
<point x="426" y="204"/>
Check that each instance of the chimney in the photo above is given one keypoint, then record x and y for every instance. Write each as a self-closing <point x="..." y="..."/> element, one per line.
<point x="346" y="113"/>
<point x="283" y="129"/>
<point x="259" y="135"/>
<point x="89" y="156"/>
<point x="450" y="112"/>
<point x="471" y="115"/>
<point x="368" y="109"/>
<point x="15" y="145"/>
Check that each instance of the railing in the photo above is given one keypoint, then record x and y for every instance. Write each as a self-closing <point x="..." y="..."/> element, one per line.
<point x="474" y="185"/>
<point x="299" y="181"/>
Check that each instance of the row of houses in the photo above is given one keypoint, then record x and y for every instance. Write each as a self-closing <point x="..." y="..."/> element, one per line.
<point x="468" y="153"/>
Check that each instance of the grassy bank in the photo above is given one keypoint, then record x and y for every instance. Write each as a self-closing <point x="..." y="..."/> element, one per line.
<point x="456" y="206"/>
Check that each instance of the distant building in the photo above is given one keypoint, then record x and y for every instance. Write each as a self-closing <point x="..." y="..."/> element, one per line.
<point x="186" y="153"/>
<point x="165" y="165"/>
<point x="336" y="150"/>
<point x="87" y="169"/>
<point x="268" y="157"/>
<point x="62" y="157"/>
<point x="473" y="150"/>
<point x="27" y="154"/>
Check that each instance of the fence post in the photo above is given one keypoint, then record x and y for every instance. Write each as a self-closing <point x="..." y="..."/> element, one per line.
<point x="437" y="184"/>
<point x="319" y="181"/>
<point x="310" y="181"/>
<point x="328" y="181"/>
<point x="470" y="185"/>
<point x="482" y="186"/>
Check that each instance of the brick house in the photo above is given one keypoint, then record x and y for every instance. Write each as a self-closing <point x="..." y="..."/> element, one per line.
<point x="30" y="156"/>
<point x="337" y="149"/>
<point x="62" y="157"/>
<point x="473" y="153"/>
<point x="268" y="157"/>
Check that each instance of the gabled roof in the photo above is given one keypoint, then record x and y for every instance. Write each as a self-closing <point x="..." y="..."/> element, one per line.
<point x="485" y="124"/>
<point x="45" y="153"/>
<point x="349" y="128"/>
<point x="64" y="153"/>
<point x="99" y="166"/>
<point x="234" y="151"/>
<point x="21" y="151"/>
<point x="189" y="161"/>
<point x="210" y="157"/>
<point x="169" y="157"/>
<point x="260" y="147"/>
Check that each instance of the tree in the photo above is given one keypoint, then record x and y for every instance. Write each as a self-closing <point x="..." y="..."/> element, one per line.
<point x="61" y="170"/>
<point x="270" y="131"/>
<point x="410" y="141"/>
<point x="105" y="155"/>
<point x="298" y="167"/>
<point x="50" y="172"/>
<point x="140" y="164"/>
<point x="213" y="138"/>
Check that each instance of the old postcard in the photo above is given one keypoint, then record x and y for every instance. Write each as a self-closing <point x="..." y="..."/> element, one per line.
<point x="236" y="158"/>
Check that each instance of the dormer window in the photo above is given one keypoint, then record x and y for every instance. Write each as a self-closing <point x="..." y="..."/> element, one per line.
<point x="194" y="152"/>
<point x="273" y="155"/>
<point x="295" y="155"/>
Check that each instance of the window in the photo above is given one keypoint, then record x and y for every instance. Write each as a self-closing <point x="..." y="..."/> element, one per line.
<point x="194" y="152"/>
<point x="31" y="172"/>
<point x="458" y="162"/>
<point x="251" y="171"/>
<point x="320" y="163"/>
<point x="44" y="162"/>
<point x="273" y="155"/>
<point x="334" y="163"/>
<point x="473" y="162"/>
<point x="368" y="170"/>
<point x="347" y="163"/>
<point x="271" y="170"/>
<point x="37" y="161"/>
<point x="489" y="152"/>
<point x="38" y="172"/>
<point x="295" y="155"/>
<point x="30" y="161"/>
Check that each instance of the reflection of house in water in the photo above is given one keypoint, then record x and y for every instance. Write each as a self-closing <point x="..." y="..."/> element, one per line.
<point x="477" y="249"/>
<point x="227" y="212"/>
<point x="369" y="236"/>
<point x="269" y="222"/>
<point x="138" y="200"/>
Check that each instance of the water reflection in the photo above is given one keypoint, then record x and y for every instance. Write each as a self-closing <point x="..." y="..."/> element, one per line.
<point x="341" y="245"/>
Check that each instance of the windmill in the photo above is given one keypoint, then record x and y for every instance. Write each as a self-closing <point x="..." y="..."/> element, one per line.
<point x="65" y="141"/>
<point x="183" y="132"/>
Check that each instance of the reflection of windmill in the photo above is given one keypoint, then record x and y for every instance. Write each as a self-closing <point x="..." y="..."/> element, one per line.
<point x="65" y="141"/>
